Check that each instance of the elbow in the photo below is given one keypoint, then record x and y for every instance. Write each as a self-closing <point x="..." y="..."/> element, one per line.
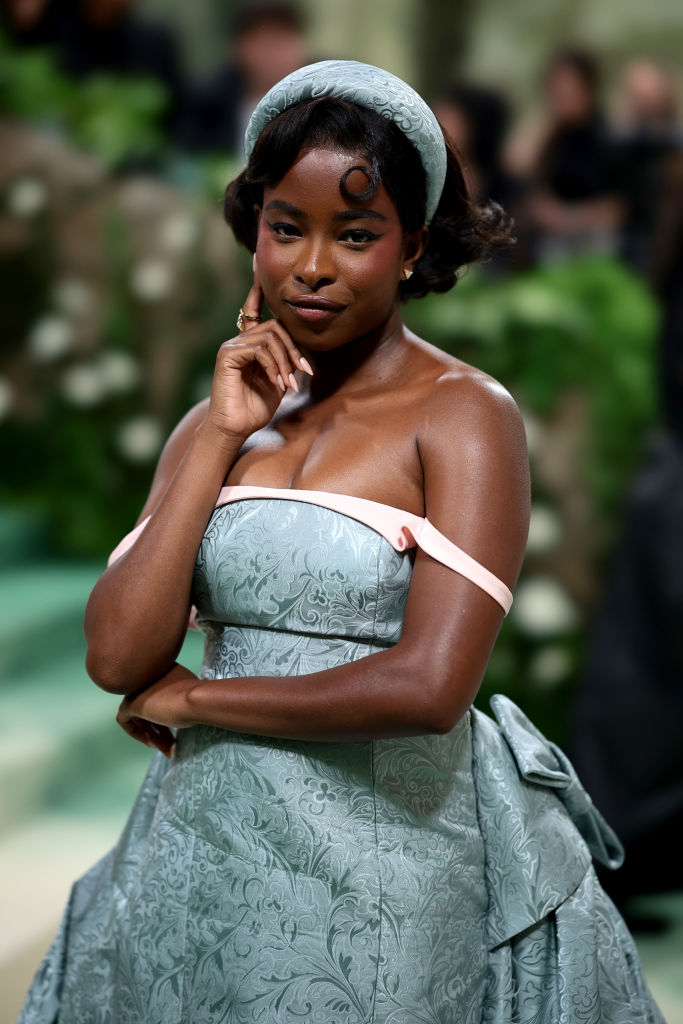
<point x="441" y="716"/>
<point x="443" y="720"/>
<point x="116" y="675"/>
<point x="106" y="674"/>
<point x="437" y="701"/>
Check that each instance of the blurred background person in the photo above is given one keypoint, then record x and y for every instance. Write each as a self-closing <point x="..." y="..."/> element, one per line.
<point x="647" y="135"/>
<point x="626" y="738"/>
<point x="29" y="22"/>
<point x="266" y="42"/>
<point x="477" y="118"/>
<point x="573" y="205"/>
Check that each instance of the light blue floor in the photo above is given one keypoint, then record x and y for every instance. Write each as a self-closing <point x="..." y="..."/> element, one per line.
<point x="68" y="775"/>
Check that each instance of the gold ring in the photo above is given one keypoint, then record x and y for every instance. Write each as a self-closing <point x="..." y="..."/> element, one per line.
<point x="242" y="316"/>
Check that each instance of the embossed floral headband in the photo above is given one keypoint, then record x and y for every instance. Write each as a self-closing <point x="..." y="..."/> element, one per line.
<point x="369" y="87"/>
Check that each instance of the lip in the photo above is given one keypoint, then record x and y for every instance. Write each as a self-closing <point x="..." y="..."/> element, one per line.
<point x="314" y="307"/>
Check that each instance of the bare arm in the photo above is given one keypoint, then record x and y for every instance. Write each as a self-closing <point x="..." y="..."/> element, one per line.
<point x="477" y="492"/>
<point x="136" y="617"/>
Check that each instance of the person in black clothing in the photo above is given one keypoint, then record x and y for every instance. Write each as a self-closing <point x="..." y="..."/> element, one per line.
<point x="574" y="203"/>
<point x="626" y="738"/>
<point x="647" y="137"/>
<point x="476" y="118"/>
<point x="268" y="42"/>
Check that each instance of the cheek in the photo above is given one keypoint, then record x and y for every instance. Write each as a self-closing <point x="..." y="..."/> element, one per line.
<point x="274" y="261"/>
<point x="380" y="271"/>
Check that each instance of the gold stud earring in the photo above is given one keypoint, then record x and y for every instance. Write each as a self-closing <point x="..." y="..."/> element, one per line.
<point x="406" y="273"/>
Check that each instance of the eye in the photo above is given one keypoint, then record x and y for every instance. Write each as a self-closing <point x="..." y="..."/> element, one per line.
<point x="284" y="229"/>
<point x="359" y="236"/>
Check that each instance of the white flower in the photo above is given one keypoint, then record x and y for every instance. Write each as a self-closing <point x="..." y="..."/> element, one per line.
<point x="26" y="197"/>
<point x="5" y="397"/>
<point x="543" y="608"/>
<point x="50" y="338"/>
<point x="82" y="385"/>
<point x="545" y="530"/>
<point x="550" y="666"/>
<point x="151" y="280"/>
<point x="140" y="438"/>
<point x="178" y="232"/>
<point x="118" y="370"/>
<point x="72" y="296"/>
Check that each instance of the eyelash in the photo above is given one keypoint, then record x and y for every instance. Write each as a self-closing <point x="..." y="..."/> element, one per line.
<point x="290" y="231"/>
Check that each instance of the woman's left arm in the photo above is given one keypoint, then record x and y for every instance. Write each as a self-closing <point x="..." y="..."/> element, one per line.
<point x="472" y="448"/>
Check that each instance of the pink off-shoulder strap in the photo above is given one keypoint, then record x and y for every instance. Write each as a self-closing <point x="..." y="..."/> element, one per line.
<point x="402" y="529"/>
<point x="434" y="543"/>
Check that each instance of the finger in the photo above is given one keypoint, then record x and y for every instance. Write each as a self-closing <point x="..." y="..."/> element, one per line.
<point x="253" y="304"/>
<point x="295" y="355"/>
<point x="271" y="367"/>
<point x="132" y="728"/>
<point x="162" y="738"/>
<point x="280" y="351"/>
<point x="152" y="735"/>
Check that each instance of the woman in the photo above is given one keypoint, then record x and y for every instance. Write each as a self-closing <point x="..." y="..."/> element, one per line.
<point x="336" y="837"/>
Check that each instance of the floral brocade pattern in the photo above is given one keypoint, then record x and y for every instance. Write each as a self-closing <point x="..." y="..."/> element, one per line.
<point x="420" y="880"/>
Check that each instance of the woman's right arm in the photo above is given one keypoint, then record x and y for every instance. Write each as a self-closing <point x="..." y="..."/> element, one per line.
<point x="136" y="617"/>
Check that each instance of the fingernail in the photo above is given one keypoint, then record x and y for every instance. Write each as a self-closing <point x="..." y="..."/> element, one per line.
<point x="292" y="381"/>
<point x="305" y="365"/>
<point x="281" y="382"/>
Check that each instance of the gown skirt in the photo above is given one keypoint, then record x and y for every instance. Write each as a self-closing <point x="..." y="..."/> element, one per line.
<point x="437" y="879"/>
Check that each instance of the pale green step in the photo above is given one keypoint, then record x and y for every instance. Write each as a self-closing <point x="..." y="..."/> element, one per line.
<point x="41" y="614"/>
<point x="23" y="535"/>
<point x="58" y="733"/>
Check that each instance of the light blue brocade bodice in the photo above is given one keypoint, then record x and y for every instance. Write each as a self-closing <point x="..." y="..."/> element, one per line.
<point x="285" y="588"/>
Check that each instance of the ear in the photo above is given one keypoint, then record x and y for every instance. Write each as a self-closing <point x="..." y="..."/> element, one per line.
<point x="414" y="245"/>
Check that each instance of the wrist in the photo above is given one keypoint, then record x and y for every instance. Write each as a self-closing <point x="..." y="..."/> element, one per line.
<point x="225" y="441"/>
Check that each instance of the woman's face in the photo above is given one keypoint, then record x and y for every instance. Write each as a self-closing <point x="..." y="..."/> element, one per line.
<point x="330" y="266"/>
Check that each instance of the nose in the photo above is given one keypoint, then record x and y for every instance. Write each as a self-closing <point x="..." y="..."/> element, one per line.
<point x="315" y="266"/>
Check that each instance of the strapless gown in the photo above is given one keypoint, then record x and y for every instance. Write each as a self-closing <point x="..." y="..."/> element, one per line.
<point x="438" y="879"/>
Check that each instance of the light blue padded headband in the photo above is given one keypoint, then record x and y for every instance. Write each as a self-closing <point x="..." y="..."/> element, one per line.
<point x="370" y="87"/>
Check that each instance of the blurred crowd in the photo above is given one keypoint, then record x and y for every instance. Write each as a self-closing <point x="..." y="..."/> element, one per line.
<point x="577" y="177"/>
<point x="583" y="174"/>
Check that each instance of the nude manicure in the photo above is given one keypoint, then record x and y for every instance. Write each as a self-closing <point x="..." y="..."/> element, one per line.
<point x="281" y="382"/>
<point x="292" y="381"/>
<point x="305" y="365"/>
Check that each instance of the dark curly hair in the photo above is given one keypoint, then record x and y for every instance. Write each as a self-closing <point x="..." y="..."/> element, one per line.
<point x="461" y="232"/>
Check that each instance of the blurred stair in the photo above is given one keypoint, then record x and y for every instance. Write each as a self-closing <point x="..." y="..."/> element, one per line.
<point x="68" y="773"/>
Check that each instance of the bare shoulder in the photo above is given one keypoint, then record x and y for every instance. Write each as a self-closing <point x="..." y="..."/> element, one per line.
<point x="473" y="452"/>
<point x="172" y="453"/>
<point x="460" y="399"/>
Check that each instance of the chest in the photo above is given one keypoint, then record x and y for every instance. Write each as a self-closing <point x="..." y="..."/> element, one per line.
<point x="348" y="449"/>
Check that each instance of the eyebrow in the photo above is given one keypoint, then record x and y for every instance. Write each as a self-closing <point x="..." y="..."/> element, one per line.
<point x="343" y="215"/>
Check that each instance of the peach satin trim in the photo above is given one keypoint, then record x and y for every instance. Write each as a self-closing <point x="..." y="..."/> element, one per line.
<point x="402" y="529"/>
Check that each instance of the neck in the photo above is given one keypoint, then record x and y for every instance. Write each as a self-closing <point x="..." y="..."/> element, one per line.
<point x="359" y="364"/>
